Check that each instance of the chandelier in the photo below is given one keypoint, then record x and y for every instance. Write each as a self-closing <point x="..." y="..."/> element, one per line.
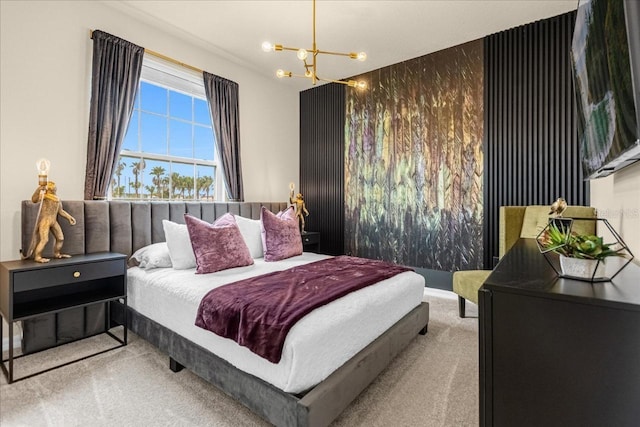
<point x="311" y="65"/>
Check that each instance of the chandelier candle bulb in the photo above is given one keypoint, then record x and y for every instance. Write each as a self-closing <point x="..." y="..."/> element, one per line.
<point x="359" y="85"/>
<point x="281" y="73"/>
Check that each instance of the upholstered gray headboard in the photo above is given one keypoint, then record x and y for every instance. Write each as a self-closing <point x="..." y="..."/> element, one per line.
<point x="126" y="226"/>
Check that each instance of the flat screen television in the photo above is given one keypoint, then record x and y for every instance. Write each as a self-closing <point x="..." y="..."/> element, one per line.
<point x="605" y="53"/>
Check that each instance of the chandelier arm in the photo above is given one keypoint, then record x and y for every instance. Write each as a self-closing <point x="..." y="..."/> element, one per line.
<point x="332" y="80"/>
<point x="351" y="83"/>
<point x="291" y="48"/>
<point x="326" y="52"/>
<point x="290" y="74"/>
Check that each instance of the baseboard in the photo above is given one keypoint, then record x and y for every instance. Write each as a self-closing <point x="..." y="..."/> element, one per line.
<point x="436" y="278"/>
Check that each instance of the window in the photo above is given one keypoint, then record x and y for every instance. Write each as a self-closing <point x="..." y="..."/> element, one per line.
<point x="169" y="149"/>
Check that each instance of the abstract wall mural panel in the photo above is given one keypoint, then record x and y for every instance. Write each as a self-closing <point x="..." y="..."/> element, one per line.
<point x="414" y="162"/>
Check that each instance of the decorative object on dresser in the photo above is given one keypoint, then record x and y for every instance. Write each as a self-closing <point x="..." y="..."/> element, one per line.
<point x="556" y="351"/>
<point x="558" y="207"/>
<point x="582" y="256"/>
<point x="75" y="292"/>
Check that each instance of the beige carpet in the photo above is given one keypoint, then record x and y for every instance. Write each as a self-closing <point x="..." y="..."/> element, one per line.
<point x="432" y="383"/>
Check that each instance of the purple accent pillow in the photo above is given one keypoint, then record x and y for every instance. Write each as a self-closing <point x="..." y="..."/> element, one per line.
<point x="280" y="234"/>
<point x="217" y="246"/>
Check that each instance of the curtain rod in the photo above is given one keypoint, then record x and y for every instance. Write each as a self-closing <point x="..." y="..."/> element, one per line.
<point x="165" y="57"/>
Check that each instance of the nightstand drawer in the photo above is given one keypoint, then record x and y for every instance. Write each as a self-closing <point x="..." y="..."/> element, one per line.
<point x="310" y="238"/>
<point x="54" y="276"/>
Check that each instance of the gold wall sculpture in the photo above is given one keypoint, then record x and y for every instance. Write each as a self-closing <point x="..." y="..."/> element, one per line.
<point x="414" y="162"/>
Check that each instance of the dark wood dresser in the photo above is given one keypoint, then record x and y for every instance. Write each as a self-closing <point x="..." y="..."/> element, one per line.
<point x="558" y="352"/>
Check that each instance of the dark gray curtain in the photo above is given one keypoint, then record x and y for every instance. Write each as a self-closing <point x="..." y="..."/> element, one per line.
<point x="116" y="71"/>
<point x="222" y="95"/>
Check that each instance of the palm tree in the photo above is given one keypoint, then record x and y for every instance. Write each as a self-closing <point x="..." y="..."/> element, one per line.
<point x="187" y="185"/>
<point x="136" y="186"/>
<point x="151" y="189"/>
<point x="119" y="190"/>
<point x="157" y="180"/>
<point x="164" y="187"/>
<point x="137" y="168"/>
<point x="204" y="185"/>
<point x="175" y="184"/>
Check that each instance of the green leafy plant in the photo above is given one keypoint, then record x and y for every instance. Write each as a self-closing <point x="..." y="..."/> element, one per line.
<point x="584" y="246"/>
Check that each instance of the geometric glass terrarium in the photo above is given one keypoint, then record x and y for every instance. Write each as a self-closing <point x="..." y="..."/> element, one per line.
<point x="583" y="256"/>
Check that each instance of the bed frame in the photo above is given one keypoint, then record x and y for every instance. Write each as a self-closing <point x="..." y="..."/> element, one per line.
<point x="124" y="227"/>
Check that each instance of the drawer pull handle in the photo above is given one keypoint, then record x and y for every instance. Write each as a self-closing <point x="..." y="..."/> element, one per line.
<point x="76" y="274"/>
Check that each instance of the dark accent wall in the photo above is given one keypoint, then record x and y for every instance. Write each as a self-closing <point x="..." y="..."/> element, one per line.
<point x="530" y="137"/>
<point x="532" y="152"/>
<point x="322" y="118"/>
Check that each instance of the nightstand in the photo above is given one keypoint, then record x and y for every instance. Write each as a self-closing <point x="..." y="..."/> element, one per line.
<point x="311" y="241"/>
<point x="30" y="289"/>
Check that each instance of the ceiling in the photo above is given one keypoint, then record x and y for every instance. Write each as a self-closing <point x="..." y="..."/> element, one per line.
<point x="388" y="31"/>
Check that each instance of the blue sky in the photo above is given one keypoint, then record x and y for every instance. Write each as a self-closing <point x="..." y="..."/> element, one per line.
<point x="160" y="113"/>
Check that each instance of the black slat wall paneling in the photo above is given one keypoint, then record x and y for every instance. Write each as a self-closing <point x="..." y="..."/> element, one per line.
<point x="532" y="154"/>
<point x="322" y="120"/>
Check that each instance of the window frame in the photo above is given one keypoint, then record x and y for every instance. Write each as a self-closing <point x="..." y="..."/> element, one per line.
<point x="172" y="77"/>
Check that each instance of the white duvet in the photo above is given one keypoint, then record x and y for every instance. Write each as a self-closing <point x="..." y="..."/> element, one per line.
<point x="316" y="346"/>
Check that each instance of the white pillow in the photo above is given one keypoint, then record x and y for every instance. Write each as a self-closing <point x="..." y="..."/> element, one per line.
<point x="179" y="244"/>
<point x="252" y="235"/>
<point x="152" y="256"/>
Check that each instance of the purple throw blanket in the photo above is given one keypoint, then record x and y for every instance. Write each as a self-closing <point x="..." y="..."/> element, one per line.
<point x="259" y="312"/>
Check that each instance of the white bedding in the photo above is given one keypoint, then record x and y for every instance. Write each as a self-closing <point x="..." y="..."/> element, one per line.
<point x="317" y="345"/>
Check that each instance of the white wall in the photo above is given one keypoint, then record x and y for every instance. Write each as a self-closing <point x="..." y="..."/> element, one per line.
<point x="45" y="73"/>
<point x="617" y="198"/>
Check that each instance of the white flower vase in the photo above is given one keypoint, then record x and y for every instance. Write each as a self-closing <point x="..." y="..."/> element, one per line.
<point x="582" y="268"/>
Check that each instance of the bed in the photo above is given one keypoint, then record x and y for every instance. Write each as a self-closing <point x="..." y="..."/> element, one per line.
<point x="287" y="393"/>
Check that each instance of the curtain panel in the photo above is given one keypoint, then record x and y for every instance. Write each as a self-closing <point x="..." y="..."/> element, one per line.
<point x="117" y="64"/>
<point x="222" y="95"/>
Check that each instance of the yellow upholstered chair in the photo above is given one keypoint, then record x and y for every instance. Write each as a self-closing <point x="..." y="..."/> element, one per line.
<point x="517" y="222"/>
